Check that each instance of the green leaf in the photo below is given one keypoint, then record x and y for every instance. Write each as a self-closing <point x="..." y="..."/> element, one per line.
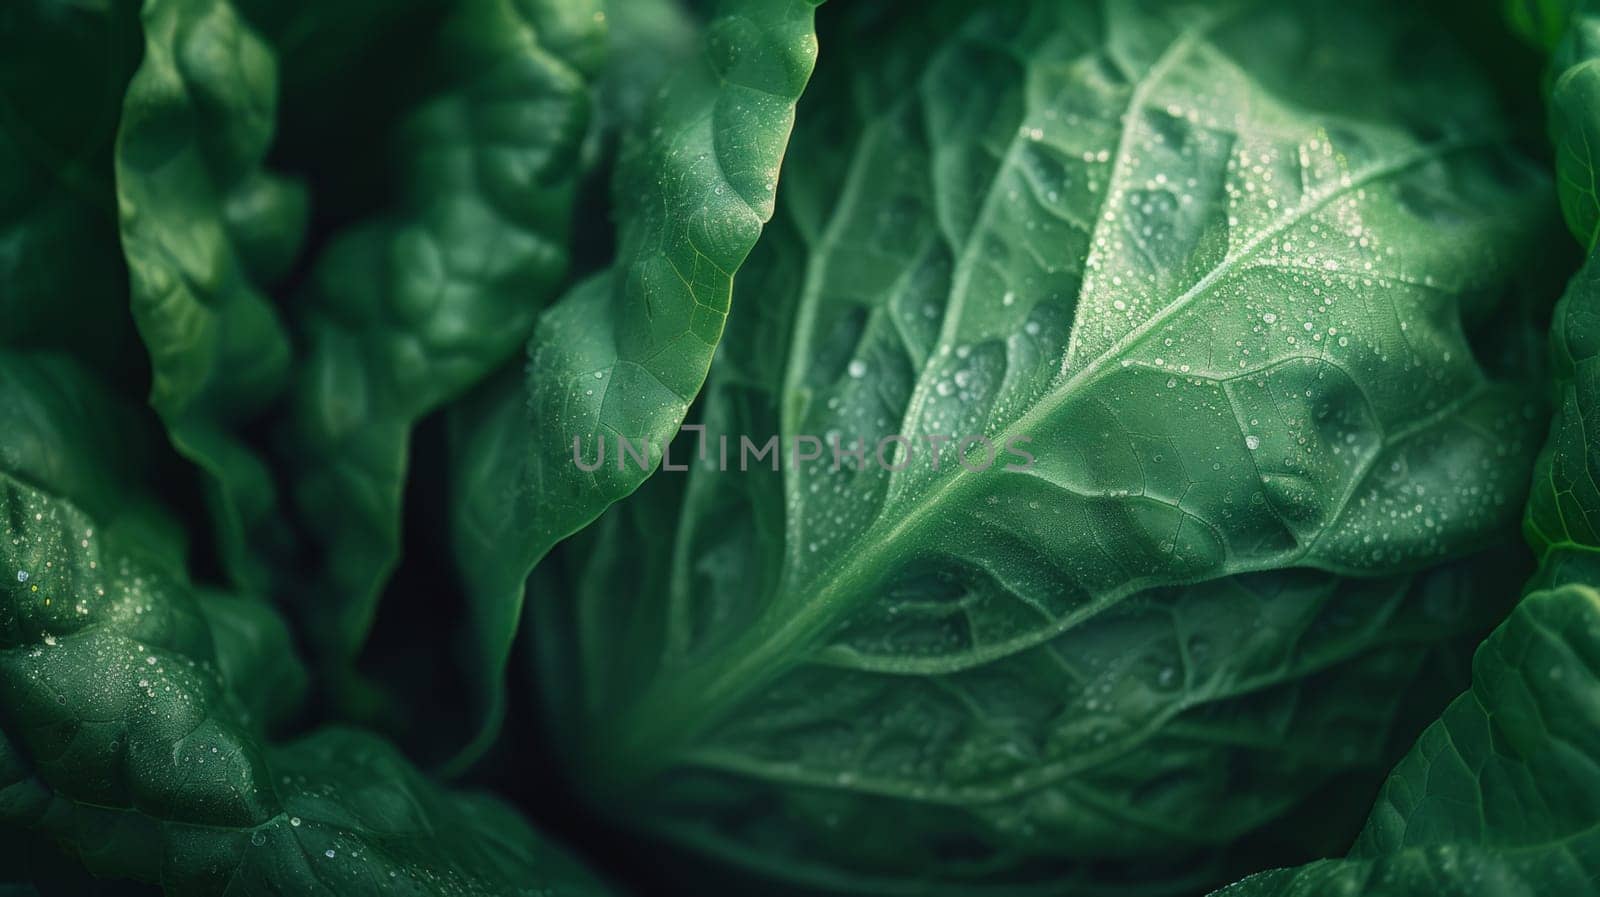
<point x="408" y="310"/>
<point x="1250" y="291"/>
<point x="1498" y="796"/>
<point x="626" y="351"/>
<point x="127" y="737"/>
<point x="204" y="226"/>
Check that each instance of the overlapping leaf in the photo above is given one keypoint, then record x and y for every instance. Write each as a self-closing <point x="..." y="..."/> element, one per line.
<point x="408" y="310"/>
<point x="624" y="354"/>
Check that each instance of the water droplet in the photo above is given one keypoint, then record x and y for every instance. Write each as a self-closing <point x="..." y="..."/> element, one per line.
<point x="1252" y="442"/>
<point x="22" y="576"/>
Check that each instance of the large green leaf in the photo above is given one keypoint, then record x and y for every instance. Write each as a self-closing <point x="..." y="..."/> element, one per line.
<point x="130" y="732"/>
<point x="203" y="227"/>
<point x="407" y="310"/>
<point x="1245" y="287"/>
<point x="626" y="351"/>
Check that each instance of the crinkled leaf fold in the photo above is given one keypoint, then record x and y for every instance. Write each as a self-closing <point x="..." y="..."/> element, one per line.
<point x="205" y="227"/>
<point x="131" y="714"/>
<point x="623" y="355"/>
<point x="407" y="310"/>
